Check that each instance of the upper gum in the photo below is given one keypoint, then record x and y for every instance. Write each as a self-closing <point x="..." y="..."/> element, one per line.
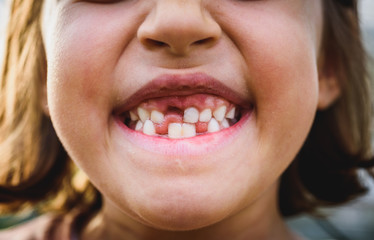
<point x="184" y="102"/>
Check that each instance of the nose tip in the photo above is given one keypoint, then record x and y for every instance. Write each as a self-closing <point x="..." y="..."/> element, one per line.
<point x="178" y="28"/>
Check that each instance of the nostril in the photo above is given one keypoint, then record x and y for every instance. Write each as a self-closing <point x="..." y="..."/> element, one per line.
<point x="154" y="43"/>
<point x="181" y="47"/>
<point x="157" y="43"/>
<point x="204" y="41"/>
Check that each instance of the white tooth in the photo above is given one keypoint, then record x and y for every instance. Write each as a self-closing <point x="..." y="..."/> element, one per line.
<point x="205" y="115"/>
<point x="219" y="113"/>
<point x="191" y="115"/>
<point x="157" y="117"/>
<point x="225" y="123"/>
<point x="188" y="130"/>
<point x="231" y="113"/>
<point x="213" y="125"/>
<point x="175" y="130"/>
<point x="133" y="116"/>
<point x="149" y="128"/>
<point x="139" y="125"/>
<point x="143" y="114"/>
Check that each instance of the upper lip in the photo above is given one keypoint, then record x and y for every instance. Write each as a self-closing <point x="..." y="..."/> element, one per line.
<point x="182" y="85"/>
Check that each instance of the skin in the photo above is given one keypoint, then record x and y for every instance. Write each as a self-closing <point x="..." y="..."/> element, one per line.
<point x="267" y="51"/>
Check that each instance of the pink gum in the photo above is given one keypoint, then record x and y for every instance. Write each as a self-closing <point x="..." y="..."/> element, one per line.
<point x="162" y="128"/>
<point x="199" y="101"/>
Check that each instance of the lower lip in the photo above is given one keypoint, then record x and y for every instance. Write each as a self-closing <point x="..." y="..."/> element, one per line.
<point x="193" y="146"/>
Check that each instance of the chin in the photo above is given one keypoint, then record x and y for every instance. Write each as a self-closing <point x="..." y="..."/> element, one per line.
<point x="183" y="215"/>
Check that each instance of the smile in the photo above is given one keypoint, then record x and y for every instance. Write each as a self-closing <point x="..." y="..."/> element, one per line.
<point x="179" y="107"/>
<point x="182" y="116"/>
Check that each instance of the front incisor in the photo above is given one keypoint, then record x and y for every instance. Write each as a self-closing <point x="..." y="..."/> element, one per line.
<point x="188" y="130"/>
<point x="175" y="130"/>
<point x="205" y="115"/>
<point x="191" y="115"/>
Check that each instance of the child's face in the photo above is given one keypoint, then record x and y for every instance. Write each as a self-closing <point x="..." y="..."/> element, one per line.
<point x="106" y="58"/>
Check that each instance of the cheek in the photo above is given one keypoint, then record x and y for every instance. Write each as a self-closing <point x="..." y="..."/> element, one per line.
<point x="286" y="102"/>
<point x="83" y="56"/>
<point x="281" y="64"/>
<point x="80" y="64"/>
<point x="287" y="96"/>
<point x="284" y="76"/>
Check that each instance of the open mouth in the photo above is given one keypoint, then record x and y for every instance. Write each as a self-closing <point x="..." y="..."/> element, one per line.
<point x="183" y="107"/>
<point x="182" y="116"/>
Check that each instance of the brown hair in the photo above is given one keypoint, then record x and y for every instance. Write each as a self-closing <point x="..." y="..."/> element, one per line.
<point x="36" y="169"/>
<point x="326" y="170"/>
<point x="34" y="165"/>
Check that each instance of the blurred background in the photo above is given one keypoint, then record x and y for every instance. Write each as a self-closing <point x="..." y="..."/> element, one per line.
<point x="354" y="221"/>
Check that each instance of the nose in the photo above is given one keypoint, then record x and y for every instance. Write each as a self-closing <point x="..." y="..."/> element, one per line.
<point x="179" y="26"/>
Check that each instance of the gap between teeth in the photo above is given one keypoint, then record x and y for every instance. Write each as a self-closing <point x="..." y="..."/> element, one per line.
<point x="217" y="120"/>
